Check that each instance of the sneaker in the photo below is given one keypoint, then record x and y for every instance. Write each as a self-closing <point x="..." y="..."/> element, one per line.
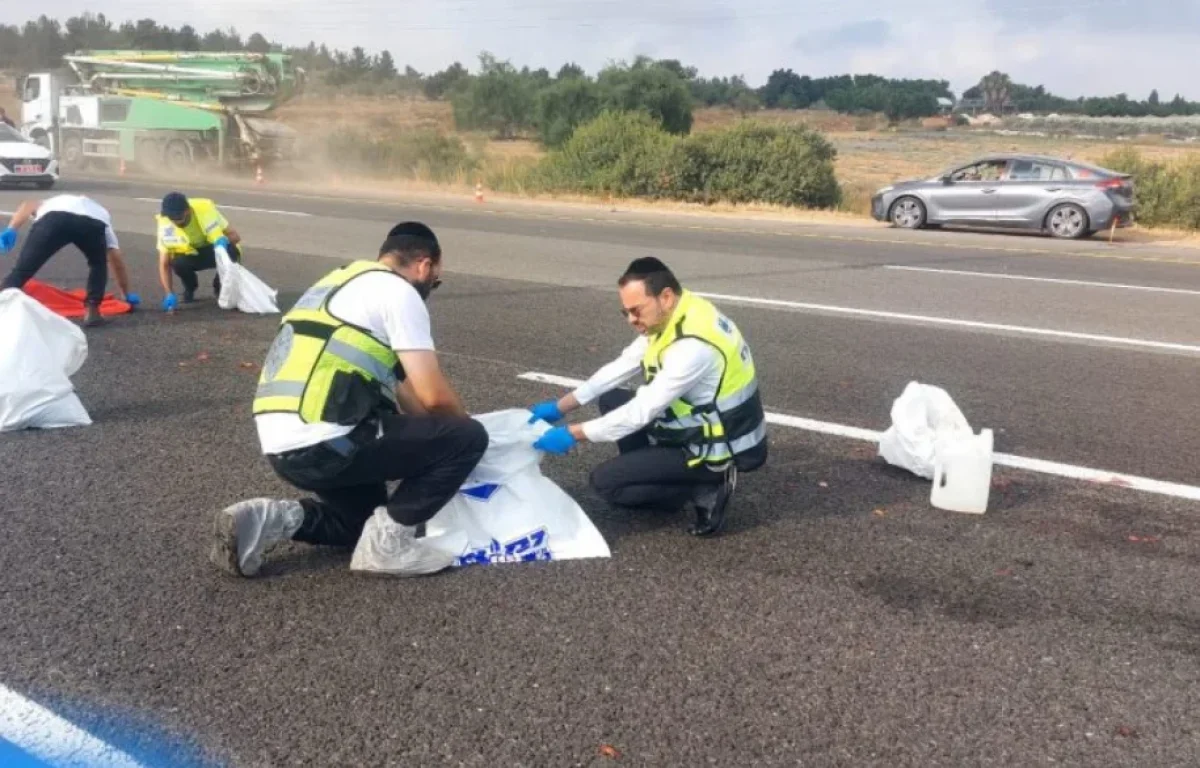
<point x="711" y="503"/>
<point x="189" y="295"/>
<point x="389" y="548"/>
<point x="246" y="531"/>
<point x="92" y="317"/>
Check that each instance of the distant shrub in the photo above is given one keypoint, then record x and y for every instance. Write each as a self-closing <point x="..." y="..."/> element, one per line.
<point x="564" y="106"/>
<point x="628" y="154"/>
<point x="752" y="161"/>
<point x="618" y="153"/>
<point x="423" y="154"/>
<point x="1166" y="194"/>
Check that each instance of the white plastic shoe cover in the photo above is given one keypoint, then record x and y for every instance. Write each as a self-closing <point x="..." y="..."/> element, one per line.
<point x="388" y="547"/>
<point x="260" y="524"/>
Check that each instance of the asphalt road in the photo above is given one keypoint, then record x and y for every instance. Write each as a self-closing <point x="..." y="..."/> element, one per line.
<point x="841" y="620"/>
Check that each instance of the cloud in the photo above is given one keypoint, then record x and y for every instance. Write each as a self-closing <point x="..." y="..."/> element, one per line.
<point x="859" y="34"/>
<point x="1073" y="47"/>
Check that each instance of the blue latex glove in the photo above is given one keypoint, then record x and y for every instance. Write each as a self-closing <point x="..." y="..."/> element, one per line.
<point x="222" y="242"/>
<point x="170" y="302"/>
<point x="558" y="441"/>
<point x="8" y="239"/>
<point x="133" y="299"/>
<point x="547" y="411"/>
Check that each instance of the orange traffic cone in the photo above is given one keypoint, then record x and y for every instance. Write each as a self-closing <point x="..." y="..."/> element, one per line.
<point x="479" y="192"/>
<point x="258" y="177"/>
<point x="121" y="167"/>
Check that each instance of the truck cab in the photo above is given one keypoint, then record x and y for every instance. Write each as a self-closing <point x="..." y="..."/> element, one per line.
<point x="39" y="106"/>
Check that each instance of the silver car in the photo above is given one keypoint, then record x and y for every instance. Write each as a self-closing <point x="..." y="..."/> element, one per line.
<point x="1063" y="198"/>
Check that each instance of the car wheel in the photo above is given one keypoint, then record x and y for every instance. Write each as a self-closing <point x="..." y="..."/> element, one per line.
<point x="1067" y="221"/>
<point x="908" y="213"/>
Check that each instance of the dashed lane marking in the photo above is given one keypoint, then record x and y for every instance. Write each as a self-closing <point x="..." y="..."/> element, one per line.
<point x="1054" y="280"/>
<point x="1120" y="341"/>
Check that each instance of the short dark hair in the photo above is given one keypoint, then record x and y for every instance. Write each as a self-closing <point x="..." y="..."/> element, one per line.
<point x="651" y="271"/>
<point x="409" y="241"/>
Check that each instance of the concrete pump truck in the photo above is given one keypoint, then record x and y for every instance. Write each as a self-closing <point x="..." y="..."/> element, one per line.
<point x="177" y="111"/>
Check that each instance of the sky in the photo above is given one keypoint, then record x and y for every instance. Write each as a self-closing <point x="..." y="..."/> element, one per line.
<point x="1073" y="47"/>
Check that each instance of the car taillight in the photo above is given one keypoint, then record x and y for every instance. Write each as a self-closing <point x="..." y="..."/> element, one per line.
<point x="1111" y="184"/>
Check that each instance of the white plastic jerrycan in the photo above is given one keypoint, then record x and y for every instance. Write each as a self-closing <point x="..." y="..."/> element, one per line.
<point x="962" y="473"/>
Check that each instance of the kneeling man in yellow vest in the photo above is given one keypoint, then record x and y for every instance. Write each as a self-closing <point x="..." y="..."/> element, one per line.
<point x="188" y="233"/>
<point x="697" y="420"/>
<point x="352" y="396"/>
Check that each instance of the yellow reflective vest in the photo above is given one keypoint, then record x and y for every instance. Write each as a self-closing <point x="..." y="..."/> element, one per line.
<point x="734" y="422"/>
<point x="175" y="240"/>
<point x="324" y="369"/>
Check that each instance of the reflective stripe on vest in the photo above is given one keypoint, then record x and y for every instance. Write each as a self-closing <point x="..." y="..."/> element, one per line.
<point x="174" y="240"/>
<point x="734" y="422"/>
<point x="311" y="364"/>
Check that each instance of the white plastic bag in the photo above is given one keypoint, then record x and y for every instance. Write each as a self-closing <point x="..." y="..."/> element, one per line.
<point x="921" y="416"/>
<point x="510" y="511"/>
<point x="241" y="288"/>
<point x="39" y="353"/>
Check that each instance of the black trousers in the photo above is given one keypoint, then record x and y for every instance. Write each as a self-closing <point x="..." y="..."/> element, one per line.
<point x="204" y="258"/>
<point x="49" y="235"/>
<point x="654" y="476"/>
<point x="431" y="455"/>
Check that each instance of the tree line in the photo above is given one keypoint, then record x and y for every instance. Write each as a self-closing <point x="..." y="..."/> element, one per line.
<point x="510" y="100"/>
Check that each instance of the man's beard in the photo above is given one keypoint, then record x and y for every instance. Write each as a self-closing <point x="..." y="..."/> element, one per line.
<point x="423" y="288"/>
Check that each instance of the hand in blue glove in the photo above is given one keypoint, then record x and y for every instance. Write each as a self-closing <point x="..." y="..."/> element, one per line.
<point x="222" y="242"/>
<point x="558" y="441"/>
<point x="133" y="299"/>
<point x="8" y="239"/>
<point x="170" y="302"/>
<point x="547" y="411"/>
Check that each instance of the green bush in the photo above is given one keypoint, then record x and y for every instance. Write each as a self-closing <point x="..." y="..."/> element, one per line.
<point x="500" y="100"/>
<point x="628" y="154"/>
<point x="564" y="106"/>
<point x="424" y="154"/>
<point x="752" y="161"/>
<point x="618" y="153"/>
<point x="1167" y="195"/>
<point x="649" y="88"/>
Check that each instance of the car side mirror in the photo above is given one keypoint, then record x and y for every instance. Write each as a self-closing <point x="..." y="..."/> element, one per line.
<point x="947" y="180"/>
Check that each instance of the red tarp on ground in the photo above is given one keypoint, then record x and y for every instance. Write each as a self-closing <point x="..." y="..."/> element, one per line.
<point x="70" y="303"/>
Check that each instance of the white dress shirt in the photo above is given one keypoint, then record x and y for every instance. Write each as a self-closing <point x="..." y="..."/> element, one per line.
<point x="690" y="369"/>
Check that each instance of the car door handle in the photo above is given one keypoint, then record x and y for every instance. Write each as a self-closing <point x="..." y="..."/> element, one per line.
<point x="988" y="191"/>
<point x="1054" y="189"/>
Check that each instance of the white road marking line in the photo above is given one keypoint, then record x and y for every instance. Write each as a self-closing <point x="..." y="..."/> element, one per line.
<point x="240" y="208"/>
<point x="1060" y="281"/>
<point x="34" y="729"/>
<point x="955" y="322"/>
<point x="1041" y="466"/>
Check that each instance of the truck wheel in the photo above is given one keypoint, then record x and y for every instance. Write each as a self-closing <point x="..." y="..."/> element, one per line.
<point x="178" y="156"/>
<point x="72" y="154"/>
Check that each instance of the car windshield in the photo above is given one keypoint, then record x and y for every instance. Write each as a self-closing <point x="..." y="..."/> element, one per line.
<point x="10" y="134"/>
